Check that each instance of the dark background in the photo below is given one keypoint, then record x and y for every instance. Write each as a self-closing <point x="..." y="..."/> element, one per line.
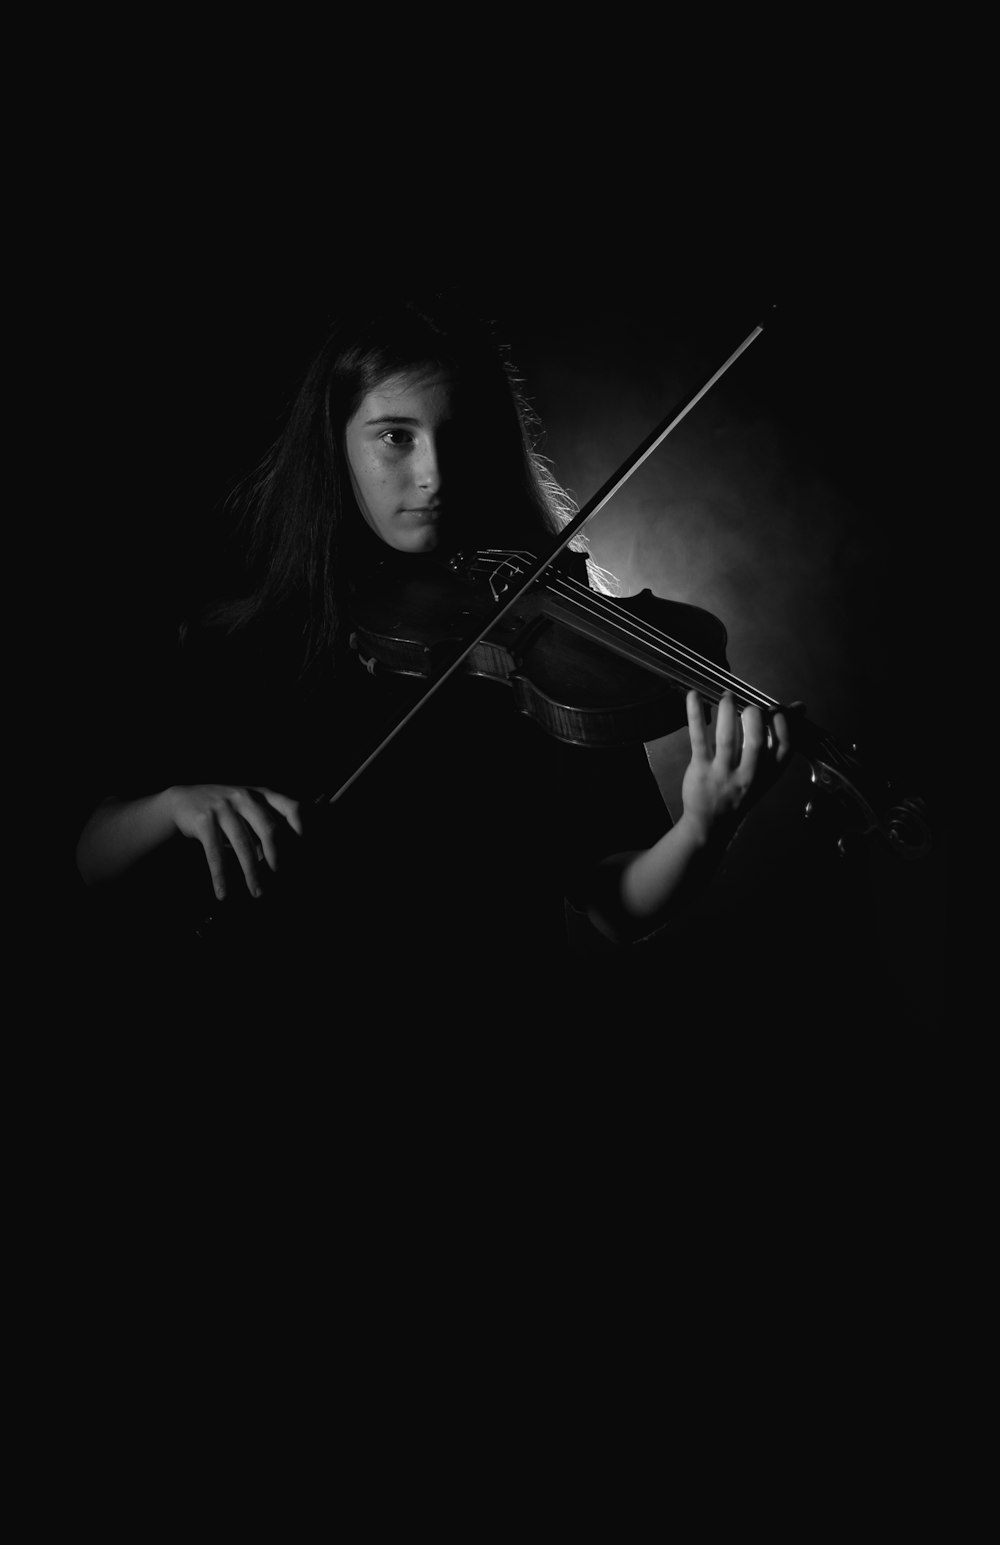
<point x="184" y="259"/>
<point x="626" y="193"/>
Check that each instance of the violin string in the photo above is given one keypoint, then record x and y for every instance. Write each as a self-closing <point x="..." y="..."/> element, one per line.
<point x="712" y="677"/>
<point x="712" y="680"/>
<point x="627" y="626"/>
<point x="705" y="674"/>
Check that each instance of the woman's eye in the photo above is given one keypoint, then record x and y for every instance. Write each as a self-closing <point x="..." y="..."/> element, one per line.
<point x="396" y="437"/>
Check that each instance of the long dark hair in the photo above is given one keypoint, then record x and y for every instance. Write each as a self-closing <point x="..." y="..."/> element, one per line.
<point x="306" y="536"/>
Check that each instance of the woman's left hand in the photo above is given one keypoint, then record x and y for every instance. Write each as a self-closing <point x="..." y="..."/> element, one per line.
<point x="718" y="781"/>
<point x="635" y="889"/>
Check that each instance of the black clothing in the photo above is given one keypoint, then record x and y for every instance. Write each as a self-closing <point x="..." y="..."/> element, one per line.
<point x="438" y="881"/>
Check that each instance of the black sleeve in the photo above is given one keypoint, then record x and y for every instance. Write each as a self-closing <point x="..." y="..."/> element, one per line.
<point x="613" y="805"/>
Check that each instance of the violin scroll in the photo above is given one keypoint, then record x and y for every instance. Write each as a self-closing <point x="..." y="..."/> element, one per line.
<point x="909" y="829"/>
<point x="866" y="803"/>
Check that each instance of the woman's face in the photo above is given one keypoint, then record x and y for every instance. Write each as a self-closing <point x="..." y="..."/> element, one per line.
<point x="394" y="445"/>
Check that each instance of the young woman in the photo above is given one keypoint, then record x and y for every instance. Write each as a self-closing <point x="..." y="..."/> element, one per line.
<point x="453" y="858"/>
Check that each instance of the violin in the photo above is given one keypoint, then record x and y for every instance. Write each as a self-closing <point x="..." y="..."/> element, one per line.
<point x="596" y="671"/>
<point x="587" y="669"/>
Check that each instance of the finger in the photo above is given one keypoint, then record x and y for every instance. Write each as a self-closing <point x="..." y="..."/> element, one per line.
<point x="726" y="730"/>
<point x="285" y="806"/>
<point x="263" y="828"/>
<point x="696" y="726"/>
<point x="243" y="845"/>
<point x="782" y="735"/>
<point x="208" y="836"/>
<point x="754" y="740"/>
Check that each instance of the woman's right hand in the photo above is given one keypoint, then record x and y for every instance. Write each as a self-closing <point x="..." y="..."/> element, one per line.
<point x="251" y="823"/>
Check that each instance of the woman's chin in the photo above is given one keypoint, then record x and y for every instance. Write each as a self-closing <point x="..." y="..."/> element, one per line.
<point x="419" y="539"/>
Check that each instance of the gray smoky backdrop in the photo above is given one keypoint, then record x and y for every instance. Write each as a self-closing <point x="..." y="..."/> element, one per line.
<point x="789" y="501"/>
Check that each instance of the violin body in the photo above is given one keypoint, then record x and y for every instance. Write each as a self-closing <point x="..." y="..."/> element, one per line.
<point x="582" y="681"/>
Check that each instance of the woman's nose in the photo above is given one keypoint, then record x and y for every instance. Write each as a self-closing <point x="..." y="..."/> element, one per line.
<point x="428" y="468"/>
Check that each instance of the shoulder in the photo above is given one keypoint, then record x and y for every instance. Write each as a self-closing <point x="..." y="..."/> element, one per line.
<point x="263" y="649"/>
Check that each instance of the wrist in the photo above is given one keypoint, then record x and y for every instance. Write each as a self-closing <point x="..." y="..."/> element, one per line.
<point x="694" y="830"/>
<point x="166" y="804"/>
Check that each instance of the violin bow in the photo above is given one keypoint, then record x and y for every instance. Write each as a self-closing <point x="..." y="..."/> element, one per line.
<point x="606" y="492"/>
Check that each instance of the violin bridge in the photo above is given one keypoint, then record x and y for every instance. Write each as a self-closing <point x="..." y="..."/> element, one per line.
<point x="499" y="567"/>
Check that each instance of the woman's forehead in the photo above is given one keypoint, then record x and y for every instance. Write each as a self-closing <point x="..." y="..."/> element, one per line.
<point x="422" y="394"/>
